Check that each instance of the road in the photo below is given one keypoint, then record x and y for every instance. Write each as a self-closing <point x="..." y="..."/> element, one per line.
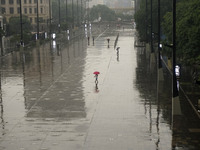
<point x="50" y="100"/>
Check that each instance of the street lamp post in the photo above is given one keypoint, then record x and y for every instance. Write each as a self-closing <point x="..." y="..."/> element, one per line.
<point x="176" y="108"/>
<point x="146" y="27"/>
<point x="50" y="18"/>
<point x="59" y="16"/>
<point x="21" y="24"/>
<point x="81" y="10"/>
<point x="175" y="90"/>
<point x="38" y="37"/>
<point x="151" y="28"/>
<point x="77" y="14"/>
<point x="160" y="71"/>
<point x="66" y="11"/>
<point x="72" y="14"/>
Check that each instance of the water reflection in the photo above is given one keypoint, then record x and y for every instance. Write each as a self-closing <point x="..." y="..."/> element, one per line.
<point x="183" y="129"/>
<point x="49" y="84"/>
<point x="156" y="103"/>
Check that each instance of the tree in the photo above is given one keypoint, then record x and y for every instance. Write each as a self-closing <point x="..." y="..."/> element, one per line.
<point x="102" y="11"/>
<point x="14" y="25"/>
<point x="14" y="29"/>
<point x="65" y="21"/>
<point x="143" y="19"/>
<point x="188" y="30"/>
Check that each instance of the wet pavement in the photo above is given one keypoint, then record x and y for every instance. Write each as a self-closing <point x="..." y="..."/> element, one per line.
<point x="50" y="100"/>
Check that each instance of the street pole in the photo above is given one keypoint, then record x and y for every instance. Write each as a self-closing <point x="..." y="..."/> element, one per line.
<point x="176" y="109"/>
<point x="146" y="23"/>
<point x="81" y="11"/>
<point x="38" y="37"/>
<point x="21" y="24"/>
<point x="160" y="71"/>
<point x="66" y="11"/>
<point x="77" y="13"/>
<point x="151" y="28"/>
<point x="175" y="90"/>
<point x="88" y="12"/>
<point x="1" y="40"/>
<point x="72" y="14"/>
<point x="50" y="18"/>
<point x="59" y="16"/>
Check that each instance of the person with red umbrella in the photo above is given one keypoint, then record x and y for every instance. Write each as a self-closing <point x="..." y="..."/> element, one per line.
<point x="96" y="73"/>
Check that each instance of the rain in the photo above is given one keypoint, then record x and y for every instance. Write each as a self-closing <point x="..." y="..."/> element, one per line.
<point x="95" y="91"/>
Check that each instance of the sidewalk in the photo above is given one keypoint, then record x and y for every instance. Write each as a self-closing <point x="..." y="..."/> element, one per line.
<point x="51" y="102"/>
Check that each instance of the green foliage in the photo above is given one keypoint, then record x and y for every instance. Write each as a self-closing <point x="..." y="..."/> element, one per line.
<point x="143" y="16"/>
<point x="66" y="18"/>
<point x="188" y="30"/>
<point x="140" y="17"/>
<point x="102" y="11"/>
<point x="14" y="25"/>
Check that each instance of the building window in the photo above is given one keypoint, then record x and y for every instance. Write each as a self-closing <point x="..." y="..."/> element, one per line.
<point x="25" y="10"/>
<point x="24" y="1"/>
<point x="31" y="20"/>
<point x="18" y="10"/>
<point x="35" y="20"/>
<point x="30" y="10"/>
<point x="35" y="1"/>
<point x="11" y="2"/>
<point x="30" y="1"/>
<point x="41" y="10"/>
<point x="35" y="10"/>
<point x="11" y="10"/>
<point x="3" y="10"/>
<point x="3" y="2"/>
<point x="17" y="1"/>
<point x="40" y="1"/>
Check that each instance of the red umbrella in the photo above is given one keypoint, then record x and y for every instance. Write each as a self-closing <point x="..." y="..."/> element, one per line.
<point x="96" y="72"/>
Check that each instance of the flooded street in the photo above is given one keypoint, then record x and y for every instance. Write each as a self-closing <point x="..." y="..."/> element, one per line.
<point x="50" y="100"/>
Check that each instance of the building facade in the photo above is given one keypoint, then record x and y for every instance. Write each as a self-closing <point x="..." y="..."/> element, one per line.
<point x="11" y="8"/>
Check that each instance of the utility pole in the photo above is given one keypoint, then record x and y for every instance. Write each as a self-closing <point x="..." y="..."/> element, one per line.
<point x="77" y="14"/>
<point x="151" y="28"/>
<point x="88" y="12"/>
<point x="1" y="40"/>
<point x="81" y="11"/>
<point x="59" y="16"/>
<point x="72" y="14"/>
<point x="176" y="108"/>
<point x="38" y="36"/>
<point x="160" y="71"/>
<point x="66" y="11"/>
<point x="146" y="23"/>
<point x="175" y="90"/>
<point x="50" y="18"/>
<point x="21" y="24"/>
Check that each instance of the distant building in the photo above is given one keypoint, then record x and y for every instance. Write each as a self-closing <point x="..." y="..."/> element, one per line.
<point x="11" y="8"/>
<point x="96" y="2"/>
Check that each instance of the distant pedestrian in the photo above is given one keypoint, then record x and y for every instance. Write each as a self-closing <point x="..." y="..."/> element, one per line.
<point x="93" y="39"/>
<point x="108" y="39"/>
<point x="88" y="40"/>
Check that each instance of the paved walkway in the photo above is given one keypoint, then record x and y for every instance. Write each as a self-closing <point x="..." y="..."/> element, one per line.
<point x="59" y="107"/>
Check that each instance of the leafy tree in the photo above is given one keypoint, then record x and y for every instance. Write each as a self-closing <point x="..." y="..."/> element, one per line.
<point x="143" y="19"/>
<point x="102" y="11"/>
<point x="188" y="30"/>
<point x="14" y="29"/>
<point x="14" y="25"/>
<point x="65" y="19"/>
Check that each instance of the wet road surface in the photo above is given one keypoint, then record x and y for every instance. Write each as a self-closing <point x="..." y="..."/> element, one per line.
<point x="50" y="101"/>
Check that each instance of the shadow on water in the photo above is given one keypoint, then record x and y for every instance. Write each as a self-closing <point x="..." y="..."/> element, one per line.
<point x="185" y="129"/>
